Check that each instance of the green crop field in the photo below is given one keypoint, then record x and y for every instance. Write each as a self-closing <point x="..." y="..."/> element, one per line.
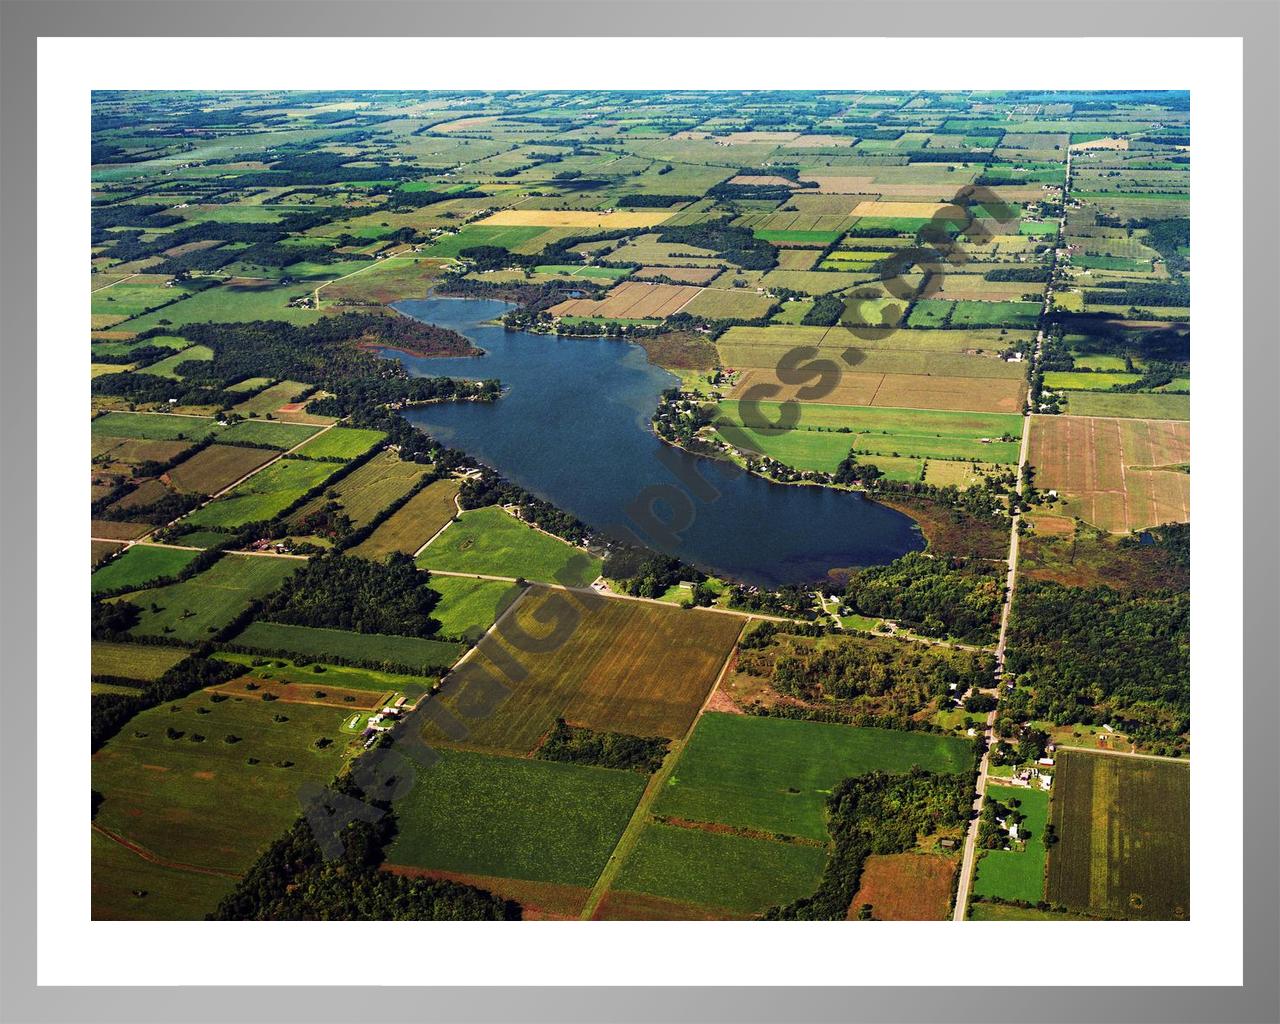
<point x="1074" y="381"/>
<point x="138" y="566"/>
<point x="144" y="662"/>
<point x="488" y="541"/>
<point x="468" y="607"/>
<point x="995" y="314"/>
<point x="167" y="367"/>
<point x="230" y="303"/>
<point x="1128" y="406"/>
<point x="338" y="677"/>
<point x="194" y="609"/>
<point x="341" y="443"/>
<point x="774" y="774"/>
<point x="264" y="495"/>
<point x="741" y="875"/>
<point x="153" y="426"/>
<point x="825" y="433"/>
<point x="269" y="400"/>
<point x="268" y="433"/>
<point x="1124" y="831"/>
<point x="414" y="523"/>
<point x="417" y="653"/>
<point x="1017" y="874"/>
<point x="367" y="490"/>
<point x="514" y="818"/>
<point x="127" y="888"/>
<point x="180" y="783"/>
<point x="473" y="236"/>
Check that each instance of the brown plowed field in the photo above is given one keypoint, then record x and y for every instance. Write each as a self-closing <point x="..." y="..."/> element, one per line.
<point x="1108" y="470"/>
<point x="625" y="666"/>
<point x="905" y="887"/>
<point x="220" y="465"/>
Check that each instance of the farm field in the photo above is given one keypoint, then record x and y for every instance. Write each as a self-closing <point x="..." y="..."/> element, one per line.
<point x="144" y="662"/>
<point x="626" y="666"/>
<point x="341" y="443"/>
<point x="481" y="814"/>
<point x="393" y="652"/>
<point x="1124" y="837"/>
<point x="773" y="775"/>
<point x="366" y="490"/>
<point x="1017" y="874"/>
<point x="825" y="433"/>
<point x="153" y="426"/>
<point x="310" y="675"/>
<point x="268" y="433"/>
<point x="138" y="566"/>
<point x="1130" y="406"/>
<point x="414" y="523"/>
<point x="196" y="608"/>
<point x="632" y="300"/>
<point x="906" y="887"/>
<point x="270" y="399"/>
<point x="217" y="467"/>
<point x="264" y="495"/>
<point x="170" y="894"/>
<point x="489" y="541"/>
<point x="468" y="607"/>
<point x="735" y="875"/>
<point x="173" y="784"/>
<point x="1118" y="474"/>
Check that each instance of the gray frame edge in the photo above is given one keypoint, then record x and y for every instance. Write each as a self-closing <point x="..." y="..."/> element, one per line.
<point x="24" y="21"/>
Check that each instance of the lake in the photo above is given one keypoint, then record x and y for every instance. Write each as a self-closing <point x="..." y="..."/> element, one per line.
<point x="573" y="428"/>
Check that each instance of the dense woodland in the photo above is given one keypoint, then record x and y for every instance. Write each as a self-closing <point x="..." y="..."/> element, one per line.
<point x="935" y="596"/>
<point x="1101" y="656"/>
<point x="340" y="592"/>
<point x="603" y="749"/>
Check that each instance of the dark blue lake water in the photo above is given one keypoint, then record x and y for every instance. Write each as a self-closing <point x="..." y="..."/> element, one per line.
<point x="573" y="428"/>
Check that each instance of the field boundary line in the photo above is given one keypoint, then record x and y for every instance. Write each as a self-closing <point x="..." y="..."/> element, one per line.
<point x="1126" y="753"/>
<point x="639" y="817"/>
<point x="114" y="283"/>
<point x="154" y="858"/>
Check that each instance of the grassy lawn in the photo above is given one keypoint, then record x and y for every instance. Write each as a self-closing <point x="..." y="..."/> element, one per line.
<point x="736" y="873"/>
<point x="541" y="820"/>
<point x="1017" y="874"/>
<point x="194" y="609"/>
<point x="774" y="774"/>
<point x="139" y="566"/>
<point x="491" y="542"/>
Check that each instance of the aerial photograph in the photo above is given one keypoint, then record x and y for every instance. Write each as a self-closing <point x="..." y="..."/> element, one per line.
<point x="640" y="505"/>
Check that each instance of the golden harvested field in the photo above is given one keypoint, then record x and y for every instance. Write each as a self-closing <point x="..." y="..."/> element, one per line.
<point x="1119" y="474"/>
<point x="881" y="208"/>
<point x="682" y="275"/>
<point x="901" y="391"/>
<point x="797" y="259"/>
<point x="631" y="300"/>
<point x="972" y="286"/>
<point x="729" y="304"/>
<point x="625" y="666"/>
<point x="574" y="219"/>
<point x="414" y="523"/>
<point x="905" y="887"/>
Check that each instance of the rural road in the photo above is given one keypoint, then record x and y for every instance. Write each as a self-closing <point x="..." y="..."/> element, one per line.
<point x="970" y="857"/>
